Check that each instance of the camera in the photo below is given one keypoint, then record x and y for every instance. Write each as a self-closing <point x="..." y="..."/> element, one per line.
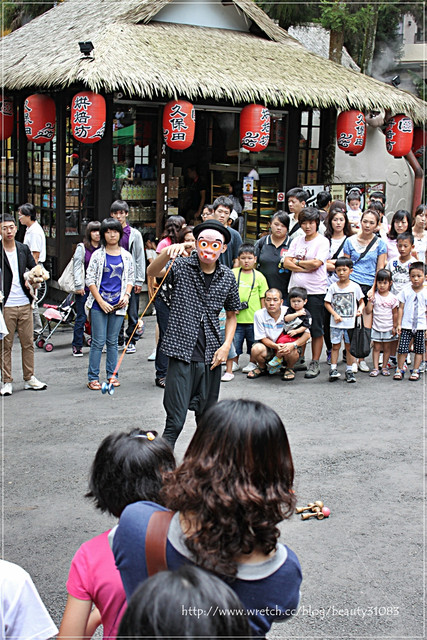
<point x="244" y="305"/>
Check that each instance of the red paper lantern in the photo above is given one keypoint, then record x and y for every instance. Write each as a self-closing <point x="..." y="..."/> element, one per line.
<point x="351" y="131"/>
<point x="179" y="124"/>
<point x="399" y="135"/>
<point x="6" y="118"/>
<point x="88" y="114"/>
<point x="39" y="118"/>
<point x="419" y="142"/>
<point x="254" y="127"/>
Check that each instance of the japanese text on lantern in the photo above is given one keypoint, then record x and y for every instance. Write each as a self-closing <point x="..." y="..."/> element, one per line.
<point x="27" y="118"/>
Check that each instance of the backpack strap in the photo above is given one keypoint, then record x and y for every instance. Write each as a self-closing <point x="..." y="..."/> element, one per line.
<point x="155" y="541"/>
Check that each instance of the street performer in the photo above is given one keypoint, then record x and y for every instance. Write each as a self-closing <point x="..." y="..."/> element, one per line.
<point x="199" y="288"/>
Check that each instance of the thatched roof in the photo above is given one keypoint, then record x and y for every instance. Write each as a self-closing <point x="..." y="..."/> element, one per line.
<point x="144" y="58"/>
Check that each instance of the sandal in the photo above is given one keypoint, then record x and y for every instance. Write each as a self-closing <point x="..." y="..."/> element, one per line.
<point x="385" y="372"/>
<point x="288" y="374"/>
<point x="160" y="382"/>
<point x="415" y="375"/>
<point x="256" y="373"/>
<point x="114" y="382"/>
<point x="399" y="375"/>
<point x="374" y="373"/>
<point x="94" y="385"/>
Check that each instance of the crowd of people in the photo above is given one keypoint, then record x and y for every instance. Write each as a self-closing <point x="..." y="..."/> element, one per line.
<point x="206" y="532"/>
<point x="299" y="261"/>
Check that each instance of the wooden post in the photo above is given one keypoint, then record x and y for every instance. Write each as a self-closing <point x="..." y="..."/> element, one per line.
<point x="162" y="177"/>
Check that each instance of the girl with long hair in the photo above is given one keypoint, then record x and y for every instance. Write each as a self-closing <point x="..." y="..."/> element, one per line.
<point x="110" y="278"/>
<point x="338" y="229"/>
<point x="400" y="222"/>
<point x="231" y="491"/>
<point x="369" y="255"/>
<point x="81" y="259"/>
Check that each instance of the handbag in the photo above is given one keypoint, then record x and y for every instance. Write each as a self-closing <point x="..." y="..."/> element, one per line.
<point x="66" y="280"/>
<point x="360" y="339"/>
<point x="155" y="541"/>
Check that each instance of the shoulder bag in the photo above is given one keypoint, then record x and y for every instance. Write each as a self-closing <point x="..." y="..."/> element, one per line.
<point x="155" y="541"/>
<point x="363" y="254"/>
<point x="66" y="280"/>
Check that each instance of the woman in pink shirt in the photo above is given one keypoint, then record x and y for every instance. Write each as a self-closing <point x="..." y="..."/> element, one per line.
<point x="128" y="467"/>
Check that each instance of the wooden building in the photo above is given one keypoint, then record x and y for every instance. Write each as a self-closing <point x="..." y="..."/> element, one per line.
<point x="221" y="56"/>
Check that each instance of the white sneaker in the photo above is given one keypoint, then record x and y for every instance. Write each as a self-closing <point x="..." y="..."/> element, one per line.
<point x="6" y="389"/>
<point x="35" y="384"/>
<point x="227" y="377"/>
<point x="152" y="356"/>
<point x="249" y="367"/>
<point x="235" y="367"/>
<point x="131" y="348"/>
<point x="363" y="366"/>
<point x="354" y="367"/>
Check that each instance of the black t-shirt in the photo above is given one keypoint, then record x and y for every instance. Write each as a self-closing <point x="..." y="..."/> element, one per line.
<point x="269" y="263"/>
<point x="200" y="348"/>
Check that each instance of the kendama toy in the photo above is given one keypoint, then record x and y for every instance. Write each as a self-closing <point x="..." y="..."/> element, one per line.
<point x="314" y="510"/>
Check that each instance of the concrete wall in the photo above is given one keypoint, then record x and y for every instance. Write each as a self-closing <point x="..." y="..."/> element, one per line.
<point x="375" y="164"/>
<point x="206" y="13"/>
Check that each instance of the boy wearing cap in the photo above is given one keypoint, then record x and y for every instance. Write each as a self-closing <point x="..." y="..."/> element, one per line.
<point x="200" y="287"/>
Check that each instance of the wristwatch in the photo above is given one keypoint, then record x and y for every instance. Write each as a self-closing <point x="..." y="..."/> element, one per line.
<point x="297" y="262"/>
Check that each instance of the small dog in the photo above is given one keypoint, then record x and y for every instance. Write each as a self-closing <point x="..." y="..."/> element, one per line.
<point x="34" y="278"/>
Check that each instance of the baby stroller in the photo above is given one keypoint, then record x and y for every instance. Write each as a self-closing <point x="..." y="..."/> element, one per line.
<point x="54" y="317"/>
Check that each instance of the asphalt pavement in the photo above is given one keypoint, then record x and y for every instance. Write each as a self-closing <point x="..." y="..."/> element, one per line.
<point x="357" y="447"/>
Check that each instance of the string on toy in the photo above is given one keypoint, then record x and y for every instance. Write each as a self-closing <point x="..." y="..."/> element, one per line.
<point x="116" y="370"/>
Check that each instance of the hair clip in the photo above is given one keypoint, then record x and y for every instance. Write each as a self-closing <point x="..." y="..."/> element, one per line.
<point x="149" y="435"/>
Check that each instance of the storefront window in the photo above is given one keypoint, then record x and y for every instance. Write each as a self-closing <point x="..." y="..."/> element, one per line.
<point x="134" y="162"/>
<point x="308" y="155"/>
<point x="9" y="175"/>
<point x="41" y="162"/>
<point x="79" y="185"/>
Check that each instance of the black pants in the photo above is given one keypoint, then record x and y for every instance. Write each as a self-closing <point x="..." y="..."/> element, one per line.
<point x="189" y="386"/>
<point x="162" y="317"/>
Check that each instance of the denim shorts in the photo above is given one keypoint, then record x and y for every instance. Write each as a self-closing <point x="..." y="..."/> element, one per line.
<point x="338" y="334"/>
<point x="232" y="353"/>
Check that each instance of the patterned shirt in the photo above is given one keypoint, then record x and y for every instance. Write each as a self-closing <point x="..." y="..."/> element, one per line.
<point x="191" y="304"/>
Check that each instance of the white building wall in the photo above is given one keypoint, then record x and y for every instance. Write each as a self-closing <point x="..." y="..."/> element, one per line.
<point x="375" y="164"/>
<point x="205" y="13"/>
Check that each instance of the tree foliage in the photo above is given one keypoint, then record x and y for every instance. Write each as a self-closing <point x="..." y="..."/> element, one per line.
<point x="16" y="13"/>
<point x="363" y="27"/>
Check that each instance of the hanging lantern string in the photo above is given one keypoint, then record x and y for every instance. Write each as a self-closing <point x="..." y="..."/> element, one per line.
<point x="116" y="370"/>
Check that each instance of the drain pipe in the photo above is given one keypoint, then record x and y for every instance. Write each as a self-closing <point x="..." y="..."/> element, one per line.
<point x="418" y="182"/>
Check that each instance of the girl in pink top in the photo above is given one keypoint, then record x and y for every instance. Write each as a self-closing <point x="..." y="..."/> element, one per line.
<point x="128" y="467"/>
<point x="383" y="306"/>
<point x="173" y="226"/>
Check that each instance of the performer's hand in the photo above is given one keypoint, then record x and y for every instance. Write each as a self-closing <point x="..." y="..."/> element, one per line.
<point x="174" y="250"/>
<point x="137" y="289"/>
<point x="219" y="356"/>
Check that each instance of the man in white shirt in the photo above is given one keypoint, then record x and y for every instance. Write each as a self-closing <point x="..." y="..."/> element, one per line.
<point x="16" y="258"/>
<point x="35" y="239"/>
<point x="268" y="325"/>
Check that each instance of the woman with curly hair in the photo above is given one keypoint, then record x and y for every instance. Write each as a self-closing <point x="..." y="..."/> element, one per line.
<point x="231" y="491"/>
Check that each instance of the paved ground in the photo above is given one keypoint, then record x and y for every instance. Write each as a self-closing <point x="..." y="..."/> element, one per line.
<point x="359" y="448"/>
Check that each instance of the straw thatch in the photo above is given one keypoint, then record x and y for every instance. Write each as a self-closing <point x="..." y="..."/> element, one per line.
<point x="140" y="57"/>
